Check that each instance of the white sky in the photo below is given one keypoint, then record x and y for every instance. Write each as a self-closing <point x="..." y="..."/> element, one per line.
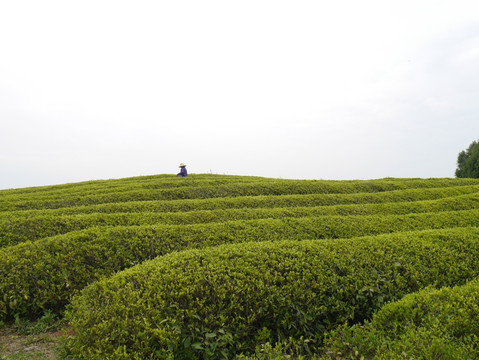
<point x="332" y="89"/>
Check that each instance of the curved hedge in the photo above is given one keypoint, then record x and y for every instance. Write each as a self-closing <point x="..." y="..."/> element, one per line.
<point x="146" y="181"/>
<point x="14" y="230"/>
<point x="44" y="274"/>
<point x="222" y="301"/>
<point x="260" y="201"/>
<point x="41" y="275"/>
<point x="430" y="324"/>
<point x="112" y="187"/>
<point x="68" y="198"/>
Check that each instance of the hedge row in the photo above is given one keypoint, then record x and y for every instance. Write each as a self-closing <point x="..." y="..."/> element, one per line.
<point x="111" y="186"/>
<point x="14" y="229"/>
<point x="239" y="202"/>
<point x="222" y="301"/>
<point x="158" y="189"/>
<point x="79" y="187"/>
<point x="43" y="275"/>
<point x="430" y="324"/>
<point x="278" y="187"/>
<point x="168" y="180"/>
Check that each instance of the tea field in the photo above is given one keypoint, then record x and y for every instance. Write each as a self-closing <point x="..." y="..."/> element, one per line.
<point x="225" y="267"/>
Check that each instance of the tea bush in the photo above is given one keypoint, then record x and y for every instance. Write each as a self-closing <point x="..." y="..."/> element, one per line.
<point x="430" y="324"/>
<point x="55" y="240"/>
<point x="260" y="201"/>
<point x="14" y="230"/>
<point x="226" y="300"/>
<point x="43" y="275"/>
<point x="68" y="197"/>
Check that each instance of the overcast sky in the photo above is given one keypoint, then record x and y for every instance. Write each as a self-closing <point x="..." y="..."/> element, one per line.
<point x="338" y="89"/>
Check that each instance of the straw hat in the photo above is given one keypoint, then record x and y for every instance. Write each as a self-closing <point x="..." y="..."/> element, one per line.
<point x="182" y="165"/>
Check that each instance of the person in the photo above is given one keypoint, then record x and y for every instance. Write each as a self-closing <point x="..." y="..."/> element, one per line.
<point x="183" y="172"/>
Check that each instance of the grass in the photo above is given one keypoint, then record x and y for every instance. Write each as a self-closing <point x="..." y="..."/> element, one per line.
<point x="37" y="340"/>
<point x="17" y="346"/>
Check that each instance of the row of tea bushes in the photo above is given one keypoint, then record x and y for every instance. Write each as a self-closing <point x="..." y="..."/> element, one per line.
<point x="122" y="185"/>
<point x="15" y="229"/>
<point x="198" y="180"/>
<point x="430" y="324"/>
<point x="222" y="301"/>
<point x="278" y="187"/>
<point x="260" y="201"/>
<point x="43" y="275"/>
<point x="78" y="186"/>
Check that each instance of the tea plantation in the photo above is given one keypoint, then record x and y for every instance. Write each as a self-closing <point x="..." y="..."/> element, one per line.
<point x="224" y="267"/>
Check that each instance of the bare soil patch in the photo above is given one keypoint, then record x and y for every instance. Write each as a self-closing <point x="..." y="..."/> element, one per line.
<point x="17" y="346"/>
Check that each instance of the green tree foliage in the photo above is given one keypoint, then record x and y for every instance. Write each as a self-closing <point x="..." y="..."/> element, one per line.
<point x="468" y="162"/>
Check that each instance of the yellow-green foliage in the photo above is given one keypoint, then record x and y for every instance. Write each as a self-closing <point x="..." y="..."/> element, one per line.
<point x="429" y="324"/>
<point x="262" y="233"/>
<point x="16" y="228"/>
<point x="44" y="274"/>
<point x="260" y="201"/>
<point x="225" y="300"/>
<point x="167" y="188"/>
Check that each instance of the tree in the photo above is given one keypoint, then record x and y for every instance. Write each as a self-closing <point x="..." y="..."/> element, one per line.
<point x="468" y="162"/>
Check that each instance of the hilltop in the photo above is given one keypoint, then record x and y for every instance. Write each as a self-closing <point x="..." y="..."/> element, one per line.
<point x="213" y="266"/>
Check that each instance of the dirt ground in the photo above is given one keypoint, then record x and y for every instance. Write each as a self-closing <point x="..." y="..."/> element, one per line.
<point x="15" y="346"/>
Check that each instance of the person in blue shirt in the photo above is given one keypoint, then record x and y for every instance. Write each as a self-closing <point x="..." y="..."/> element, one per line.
<point x="183" y="172"/>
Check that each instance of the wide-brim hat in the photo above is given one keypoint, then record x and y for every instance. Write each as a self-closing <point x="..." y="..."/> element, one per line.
<point x="182" y="165"/>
